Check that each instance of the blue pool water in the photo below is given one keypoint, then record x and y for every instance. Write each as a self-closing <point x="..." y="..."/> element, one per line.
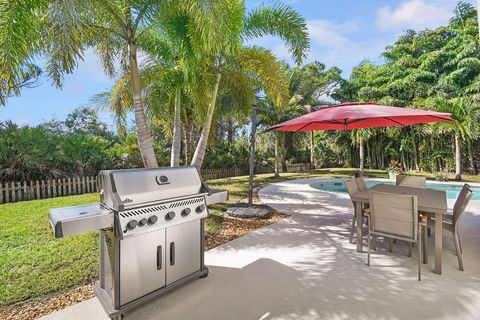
<point x="452" y="190"/>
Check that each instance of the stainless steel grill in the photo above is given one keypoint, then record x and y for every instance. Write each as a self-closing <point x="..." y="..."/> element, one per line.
<point x="151" y="232"/>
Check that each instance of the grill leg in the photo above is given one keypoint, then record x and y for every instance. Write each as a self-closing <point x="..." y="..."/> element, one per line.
<point x="420" y="254"/>
<point x="368" y="255"/>
<point x="424" y="244"/>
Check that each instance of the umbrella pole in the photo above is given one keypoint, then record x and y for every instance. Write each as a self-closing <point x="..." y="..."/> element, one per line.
<point x="362" y="156"/>
<point x="252" y="155"/>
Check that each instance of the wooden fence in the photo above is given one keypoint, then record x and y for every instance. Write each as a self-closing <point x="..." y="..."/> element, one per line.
<point x="51" y="188"/>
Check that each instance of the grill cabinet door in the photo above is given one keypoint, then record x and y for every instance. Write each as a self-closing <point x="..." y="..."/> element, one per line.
<point x="183" y="250"/>
<point x="142" y="265"/>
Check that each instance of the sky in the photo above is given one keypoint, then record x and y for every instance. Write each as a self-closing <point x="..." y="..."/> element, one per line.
<point x="343" y="33"/>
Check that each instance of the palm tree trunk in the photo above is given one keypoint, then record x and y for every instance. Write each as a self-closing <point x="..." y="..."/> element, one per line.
<point x="312" y="144"/>
<point x="471" y="157"/>
<point x="369" y="154"/>
<point x="362" y="155"/>
<point x="458" y="158"/>
<point x="188" y="140"/>
<point x="231" y="131"/>
<point x="143" y="134"/>
<point x="197" y="160"/>
<point x="277" y="160"/>
<point x="416" y="153"/>
<point x="176" y="142"/>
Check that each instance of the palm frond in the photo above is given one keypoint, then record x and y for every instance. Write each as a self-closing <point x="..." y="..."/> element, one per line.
<point x="283" y="21"/>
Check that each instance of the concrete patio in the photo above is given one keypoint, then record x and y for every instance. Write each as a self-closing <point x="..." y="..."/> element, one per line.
<point x="305" y="268"/>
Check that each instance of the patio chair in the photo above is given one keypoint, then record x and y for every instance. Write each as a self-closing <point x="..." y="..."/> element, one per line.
<point x="411" y="181"/>
<point x="395" y="216"/>
<point x="450" y="223"/>
<point x="352" y="188"/>
<point x="361" y="183"/>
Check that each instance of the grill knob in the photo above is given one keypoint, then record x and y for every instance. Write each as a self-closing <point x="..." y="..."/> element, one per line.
<point x="142" y="222"/>
<point x="186" y="212"/>
<point x="152" y="220"/>
<point x="132" y="224"/>
<point x="169" y="216"/>
<point x="200" y="208"/>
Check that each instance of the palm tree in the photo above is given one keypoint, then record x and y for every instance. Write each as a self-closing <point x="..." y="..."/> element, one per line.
<point x="116" y="30"/>
<point x="227" y="56"/>
<point x="20" y="38"/>
<point x="465" y="113"/>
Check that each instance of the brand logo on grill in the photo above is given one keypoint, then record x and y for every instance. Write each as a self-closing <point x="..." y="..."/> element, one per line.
<point x="160" y="180"/>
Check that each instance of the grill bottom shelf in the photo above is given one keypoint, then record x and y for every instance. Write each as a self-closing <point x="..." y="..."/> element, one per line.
<point x="113" y="313"/>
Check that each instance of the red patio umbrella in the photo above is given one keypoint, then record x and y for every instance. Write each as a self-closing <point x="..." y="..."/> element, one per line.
<point x="347" y="116"/>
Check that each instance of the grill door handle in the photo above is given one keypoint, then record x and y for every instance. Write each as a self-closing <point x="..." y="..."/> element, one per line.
<point x="172" y="253"/>
<point x="159" y="258"/>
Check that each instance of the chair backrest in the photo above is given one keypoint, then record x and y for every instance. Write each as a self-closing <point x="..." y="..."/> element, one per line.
<point x="351" y="187"/>
<point x="361" y="183"/>
<point x="394" y="214"/>
<point x="411" y="181"/>
<point x="461" y="203"/>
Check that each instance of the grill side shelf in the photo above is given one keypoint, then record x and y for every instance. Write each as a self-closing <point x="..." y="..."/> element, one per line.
<point x="79" y="219"/>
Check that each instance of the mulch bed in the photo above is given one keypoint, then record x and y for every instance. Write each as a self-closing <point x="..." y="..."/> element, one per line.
<point x="35" y="308"/>
<point x="231" y="229"/>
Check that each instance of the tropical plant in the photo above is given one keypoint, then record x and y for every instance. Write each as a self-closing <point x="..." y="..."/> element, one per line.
<point x="115" y="30"/>
<point x="20" y="37"/>
<point x="229" y="57"/>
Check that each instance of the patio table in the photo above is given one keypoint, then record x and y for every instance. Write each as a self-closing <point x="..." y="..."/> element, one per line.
<point x="429" y="200"/>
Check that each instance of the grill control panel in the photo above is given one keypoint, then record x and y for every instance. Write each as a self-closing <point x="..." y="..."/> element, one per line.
<point x="146" y="219"/>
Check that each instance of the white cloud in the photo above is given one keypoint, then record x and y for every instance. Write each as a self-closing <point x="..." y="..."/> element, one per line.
<point x="414" y="14"/>
<point x="331" y="35"/>
<point x="341" y="44"/>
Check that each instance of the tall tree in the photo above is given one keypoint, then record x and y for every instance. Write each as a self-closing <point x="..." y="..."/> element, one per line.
<point x="20" y="37"/>
<point x="231" y="58"/>
<point x="114" y="30"/>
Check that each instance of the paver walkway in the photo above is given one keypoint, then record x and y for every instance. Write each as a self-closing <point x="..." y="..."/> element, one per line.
<point x="304" y="268"/>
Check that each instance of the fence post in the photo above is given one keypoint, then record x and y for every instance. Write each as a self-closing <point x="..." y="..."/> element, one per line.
<point x="43" y="190"/>
<point x="88" y="184"/>
<point x="7" y="195"/>
<point x="14" y="198"/>
<point x="49" y="191"/>
<point x="19" y="190"/>
<point x="25" y="191"/>
<point x="1" y="193"/>
<point x="37" y="189"/>
<point x="31" y="187"/>
<point x="83" y="185"/>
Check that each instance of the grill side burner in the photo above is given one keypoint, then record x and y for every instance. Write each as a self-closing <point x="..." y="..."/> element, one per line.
<point x="151" y="224"/>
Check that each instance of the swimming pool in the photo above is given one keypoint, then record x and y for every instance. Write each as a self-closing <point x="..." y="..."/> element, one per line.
<point x="452" y="190"/>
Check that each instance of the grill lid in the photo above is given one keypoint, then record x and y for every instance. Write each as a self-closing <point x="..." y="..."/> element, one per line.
<point x="121" y="189"/>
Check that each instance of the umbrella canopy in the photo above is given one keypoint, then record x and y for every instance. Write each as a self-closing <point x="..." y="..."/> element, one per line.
<point x="347" y="116"/>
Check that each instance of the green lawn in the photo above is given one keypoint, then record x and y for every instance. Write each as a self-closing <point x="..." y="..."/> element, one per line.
<point x="34" y="263"/>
